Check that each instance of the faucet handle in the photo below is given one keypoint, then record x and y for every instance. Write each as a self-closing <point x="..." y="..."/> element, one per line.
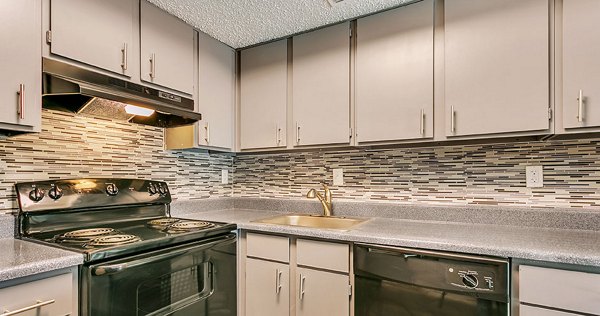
<point x="311" y="194"/>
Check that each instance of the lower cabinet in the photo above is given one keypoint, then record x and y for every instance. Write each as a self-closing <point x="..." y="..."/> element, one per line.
<point x="546" y="291"/>
<point x="294" y="276"/>
<point x="41" y="295"/>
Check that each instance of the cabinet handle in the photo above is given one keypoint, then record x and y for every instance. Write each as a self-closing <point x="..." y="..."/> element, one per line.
<point x="301" y="294"/>
<point x="207" y="133"/>
<point x="452" y="119"/>
<point x="124" y="57"/>
<point x="422" y="126"/>
<point x="297" y="133"/>
<point x="21" y="108"/>
<point x="28" y="308"/>
<point x="278" y="281"/>
<point x="153" y="66"/>
<point x="580" y="107"/>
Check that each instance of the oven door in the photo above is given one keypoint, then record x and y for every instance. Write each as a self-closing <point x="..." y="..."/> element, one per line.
<point x="194" y="279"/>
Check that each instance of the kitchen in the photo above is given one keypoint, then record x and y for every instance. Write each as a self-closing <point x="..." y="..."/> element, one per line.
<point x="434" y="157"/>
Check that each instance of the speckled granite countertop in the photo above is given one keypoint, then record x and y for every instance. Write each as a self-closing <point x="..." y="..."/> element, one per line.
<point x="22" y="258"/>
<point x="569" y="246"/>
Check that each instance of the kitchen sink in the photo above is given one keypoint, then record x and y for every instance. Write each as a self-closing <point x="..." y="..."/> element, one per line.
<point x="314" y="221"/>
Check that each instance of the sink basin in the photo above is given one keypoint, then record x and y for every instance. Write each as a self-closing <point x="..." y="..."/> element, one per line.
<point x="314" y="221"/>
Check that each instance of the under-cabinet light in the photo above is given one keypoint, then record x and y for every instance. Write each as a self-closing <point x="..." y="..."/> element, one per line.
<point x="137" y="110"/>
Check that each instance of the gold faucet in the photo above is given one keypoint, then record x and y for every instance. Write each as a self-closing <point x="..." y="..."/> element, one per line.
<point x="325" y="201"/>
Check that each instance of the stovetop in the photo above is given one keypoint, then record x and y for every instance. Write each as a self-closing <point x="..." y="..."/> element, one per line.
<point x="111" y="240"/>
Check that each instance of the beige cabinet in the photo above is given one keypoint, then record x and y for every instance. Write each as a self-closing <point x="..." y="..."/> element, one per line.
<point x="49" y="296"/>
<point x="20" y="65"/>
<point x="263" y="96"/>
<point x="322" y="293"/>
<point x="166" y="49"/>
<point x="581" y="65"/>
<point x="496" y="66"/>
<point x="394" y="74"/>
<point x="267" y="288"/>
<point x="216" y="92"/>
<point x="95" y="32"/>
<point x="565" y="290"/>
<point x="321" y="86"/>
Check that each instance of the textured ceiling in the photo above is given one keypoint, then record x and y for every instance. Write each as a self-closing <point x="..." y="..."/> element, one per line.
<point x="241" y="23"/>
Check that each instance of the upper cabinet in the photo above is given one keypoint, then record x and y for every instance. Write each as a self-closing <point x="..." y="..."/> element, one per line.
<point x="321" y="86"/>
<point x="496" y="66"/>
<point x="263" y="96"/>
<point x="95" y="32"/>
<point x="20" y="65"/>
<point x="394" y="74"/>
<point x="167" y="49"/>
<point x="216" y="95"/>
<point x="581" y="65"/>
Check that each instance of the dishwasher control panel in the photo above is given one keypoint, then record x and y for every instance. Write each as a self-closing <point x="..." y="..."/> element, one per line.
<point x="465" y="277"/>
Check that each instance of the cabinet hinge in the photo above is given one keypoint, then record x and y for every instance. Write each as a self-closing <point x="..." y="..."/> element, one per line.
<point x="349" y="289"/>
<point x="350" y="31"/>
<point x="550" y="114"/>
<point x="350" y="132"/>
<point x="48" y="37"/>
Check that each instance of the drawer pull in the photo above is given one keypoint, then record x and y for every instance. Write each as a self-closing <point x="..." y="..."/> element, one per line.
<point x="28" y="308"/>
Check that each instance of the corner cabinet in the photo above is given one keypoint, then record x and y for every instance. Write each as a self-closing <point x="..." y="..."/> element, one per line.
<point x="394" y="74"/>
<point x="316" y="283"/>
<point x="95" y="32"/>
<point x="496" y="67"/>
<point x="166" y="49"/>
<point x="580" y="64"/>
<point x="20" y="65"/>
<point x="263" y="96"/>
<point x="321" y="86"/>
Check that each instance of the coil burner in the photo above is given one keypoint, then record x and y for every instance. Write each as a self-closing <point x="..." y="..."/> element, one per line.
<point x="83" y="235"/>
<point x="113" y="240"/>
<point x="162" y="223"/>
<point x="187" y="226"/>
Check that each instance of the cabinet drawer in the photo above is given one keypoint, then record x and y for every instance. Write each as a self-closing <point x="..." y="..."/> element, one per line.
<point x="570" y="290"/>
<point x="536" y="311"/>
<point x="57" y="288"/>
<point x="323" y="255"/>
<point x="268" y="247"/>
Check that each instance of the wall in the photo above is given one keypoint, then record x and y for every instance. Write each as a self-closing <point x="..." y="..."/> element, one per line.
<point x="457" y="175"/>
<point x="73" y="146"/>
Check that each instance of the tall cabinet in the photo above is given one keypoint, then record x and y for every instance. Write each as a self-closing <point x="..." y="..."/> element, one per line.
<point x="20" y="65"/>
<point x="581" y="65"/>
<point x="263" y="96"/>
<point x="321" y="86"/>
<point x="496" y="66"/>
<point x="394" y="74"/>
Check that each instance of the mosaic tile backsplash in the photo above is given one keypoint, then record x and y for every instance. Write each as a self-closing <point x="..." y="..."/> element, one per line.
<point x="492" y="174"/>
<point x="73" y="146"/>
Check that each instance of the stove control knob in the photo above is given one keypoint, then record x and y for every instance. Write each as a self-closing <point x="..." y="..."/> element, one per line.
<point x="162" y="189"/>
<point x="111" y="189"/>
<point x="470" y="281"/>
<point x="55" y="193"/>
<point x="152" y="189"/>
<point x="36" y="194"/>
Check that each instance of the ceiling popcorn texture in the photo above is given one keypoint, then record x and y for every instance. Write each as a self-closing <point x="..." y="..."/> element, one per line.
<point x="241" y="23"/>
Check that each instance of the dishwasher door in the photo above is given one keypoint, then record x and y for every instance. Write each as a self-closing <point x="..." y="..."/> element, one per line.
<point x="400" y="281"/>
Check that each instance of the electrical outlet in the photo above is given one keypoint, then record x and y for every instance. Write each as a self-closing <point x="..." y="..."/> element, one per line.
<point x="224" y="176"/>
<point x="338" y="176"/>
<point x="534" y="176"/>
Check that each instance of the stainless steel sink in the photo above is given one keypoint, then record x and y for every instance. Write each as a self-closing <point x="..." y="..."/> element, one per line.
<point x="315" y="221"/>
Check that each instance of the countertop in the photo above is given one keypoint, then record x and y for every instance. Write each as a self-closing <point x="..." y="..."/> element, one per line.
<point x="23" y="258"/>
<point x="570" y="246"/>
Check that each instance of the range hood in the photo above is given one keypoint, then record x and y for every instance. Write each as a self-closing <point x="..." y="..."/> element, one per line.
<point x="70" y="88"/>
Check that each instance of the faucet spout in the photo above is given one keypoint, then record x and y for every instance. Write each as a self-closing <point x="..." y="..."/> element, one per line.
<point x="325" y="200"/>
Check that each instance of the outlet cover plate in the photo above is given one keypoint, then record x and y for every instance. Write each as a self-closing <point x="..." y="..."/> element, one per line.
<point x="224" y="176"/>
<point x="534" y="176"/>
<point x="338" y="176"/>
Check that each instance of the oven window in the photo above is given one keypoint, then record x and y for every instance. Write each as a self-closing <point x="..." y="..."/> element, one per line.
<point x="173" y="291"/>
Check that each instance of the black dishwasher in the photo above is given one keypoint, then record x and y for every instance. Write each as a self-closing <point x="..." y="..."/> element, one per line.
<point x="395" y="281"/>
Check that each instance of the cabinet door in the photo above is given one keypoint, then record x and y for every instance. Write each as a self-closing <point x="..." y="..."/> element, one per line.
<point x="322" y="293"/>
<point x="167" y="49"/>
<point x="20" y="65"/>
<point x="56" y="292"/>
<point x="581" y="65"/>
<point x="263" y="94"/>
<point x="496" y="66"/>
<point x="216" y="90"/>
<point x="525" y="310"/>
<point x="95" y="32"/>
<point x="394" y="74"/>
<point x="267" y="288"/>
<point x="321" y="86"/>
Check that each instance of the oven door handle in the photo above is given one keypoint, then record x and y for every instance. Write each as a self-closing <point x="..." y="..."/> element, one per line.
<point x="120" y="267"/>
